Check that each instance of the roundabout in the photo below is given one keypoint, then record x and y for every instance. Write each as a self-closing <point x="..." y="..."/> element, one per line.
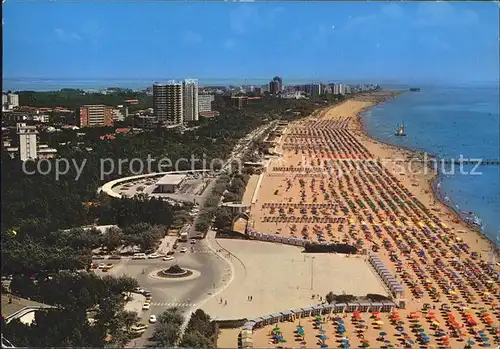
<point x="174" y="273"/>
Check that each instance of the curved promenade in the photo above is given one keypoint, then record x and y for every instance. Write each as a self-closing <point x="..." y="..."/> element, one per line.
<point x="108" y="186"/>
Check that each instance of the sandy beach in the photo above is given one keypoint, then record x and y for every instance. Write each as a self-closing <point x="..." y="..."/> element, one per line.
<point x="335" y="184"/>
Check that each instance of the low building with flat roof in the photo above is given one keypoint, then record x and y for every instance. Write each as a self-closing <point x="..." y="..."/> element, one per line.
<point x="170" y="183"/>
<point x="14" y="307"/>
<point x="236" y="207"/>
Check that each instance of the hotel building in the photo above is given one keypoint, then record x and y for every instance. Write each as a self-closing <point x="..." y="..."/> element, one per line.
<point x="96" y="115"/>
<point x="205" y="102"/>
<point x="27" y="141"/>
<point x="276" y="85"/>
<point x="168" y="103"/>
<point x="190" y="100"/>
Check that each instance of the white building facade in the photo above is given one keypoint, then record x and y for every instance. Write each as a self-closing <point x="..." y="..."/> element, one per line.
<point x="4" y="102"/>
<point x="190" y="102"/>
<point x="205" y="102"/>
<point x="339" y="89"/>
<point x="13" y="100"/>
<point x="168" y="102"/>
<point x="27" y="142"/>
<point x="9" y="101"/>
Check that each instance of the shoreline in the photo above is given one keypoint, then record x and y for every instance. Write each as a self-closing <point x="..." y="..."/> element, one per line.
<point x="335" y="184"/>
<point x="431" y="182"/>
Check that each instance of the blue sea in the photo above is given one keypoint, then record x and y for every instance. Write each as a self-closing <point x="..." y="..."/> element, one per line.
<point x="450" y="122"/>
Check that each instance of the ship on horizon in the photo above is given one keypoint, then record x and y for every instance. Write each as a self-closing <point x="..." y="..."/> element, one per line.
<point x="415" y="89"/>
<point x="400" y="131"/>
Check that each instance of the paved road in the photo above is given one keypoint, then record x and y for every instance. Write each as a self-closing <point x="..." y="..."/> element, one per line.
<point x="214" y="273"/>
<point x="168" y="293"/>
<point x="237" y="153"/>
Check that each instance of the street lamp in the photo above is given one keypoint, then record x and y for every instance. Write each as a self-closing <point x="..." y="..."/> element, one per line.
<point x="312" y="270"/>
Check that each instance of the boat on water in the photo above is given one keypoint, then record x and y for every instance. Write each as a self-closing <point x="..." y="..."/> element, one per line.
<point x="400" y="131"/>
<point x="415" y="89"/>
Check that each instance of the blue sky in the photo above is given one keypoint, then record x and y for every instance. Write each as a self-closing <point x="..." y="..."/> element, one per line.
<point x="369" y="41"/>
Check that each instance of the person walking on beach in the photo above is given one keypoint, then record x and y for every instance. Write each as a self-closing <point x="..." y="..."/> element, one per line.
<point x="225" y="302"/>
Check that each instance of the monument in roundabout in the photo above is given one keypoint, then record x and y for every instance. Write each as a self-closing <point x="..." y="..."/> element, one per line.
<point x="174" y="272"/>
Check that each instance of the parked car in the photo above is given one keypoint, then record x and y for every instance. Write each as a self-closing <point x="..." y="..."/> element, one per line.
<point x="102" y="266"/>
<point x="139" y="290"/>
<point x="94" y="265"/>
<point x="183" y="250"/>
<point x="193" y="241"/>
<point x="168" y="258"/>
<point x="139" y="256"/>
<point x="147" y="293"/>
<point x="152" y="319"/>
<point x="154" y="256"/>
<point x="146" y="306"/>
<point x="169" y="253"/>
<point x="138" y="329"/>
<point x="109" y="266"/>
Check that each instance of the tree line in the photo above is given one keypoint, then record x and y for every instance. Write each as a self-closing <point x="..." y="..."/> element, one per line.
<point x="89" y="311"/>
<point x="48" y="262"/>
<point x="74" y="98"/>
<point x="200" y="331"/>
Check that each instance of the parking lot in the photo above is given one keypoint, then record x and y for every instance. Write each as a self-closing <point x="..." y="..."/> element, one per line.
<point x="191" y="190"/>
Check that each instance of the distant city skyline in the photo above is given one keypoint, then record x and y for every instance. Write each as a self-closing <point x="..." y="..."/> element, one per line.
<point x="131" y="42"/>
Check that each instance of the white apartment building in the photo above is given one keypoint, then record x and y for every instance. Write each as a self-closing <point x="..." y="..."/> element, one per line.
<point x="313" y="90"/>
<point x="27" y="141"/>
<point x="205" y="102"/>
<point x="4" y="102"/>
<point x="13" y="100"/>
<point x="120" y="113"/>
<point x="168" y="102"/>
<point x="44" y="118"/>
<point x="190" y="100"/>
<point x="9" y="101"/>
<point x="293" y="95"/>
<point x="339" y="89"/>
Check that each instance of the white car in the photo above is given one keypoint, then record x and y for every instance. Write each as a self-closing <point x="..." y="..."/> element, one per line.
<point x="102" y="266"/>
<point x="139" y="290"/>
<point x="146" y="306"/>
<point x="154" y="256"/>
<point x="168" y="258"/>
<point x="193" y="241"/>
<point x="152" y="319"/>
<point x="183" y="250"/>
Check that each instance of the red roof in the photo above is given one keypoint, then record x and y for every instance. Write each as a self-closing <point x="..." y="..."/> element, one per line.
<point x="122" y="130"/>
